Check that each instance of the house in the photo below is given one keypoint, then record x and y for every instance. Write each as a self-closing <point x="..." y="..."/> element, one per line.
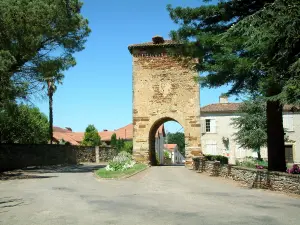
<point x="217" y="133"/>
<point x="175" y="155"/>
<point x="75" y="138"/>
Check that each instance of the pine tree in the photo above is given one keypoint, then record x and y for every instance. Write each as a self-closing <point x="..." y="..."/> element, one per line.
<point x="251" y="44"/>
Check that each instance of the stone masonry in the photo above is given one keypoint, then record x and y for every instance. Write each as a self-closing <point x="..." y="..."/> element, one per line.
<point x="164" y="90"/>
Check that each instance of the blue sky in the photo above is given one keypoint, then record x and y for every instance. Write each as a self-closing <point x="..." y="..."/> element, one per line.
<point x="98" y="90"/>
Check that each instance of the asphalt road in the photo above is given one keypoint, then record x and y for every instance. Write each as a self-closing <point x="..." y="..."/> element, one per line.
<point x="159" y="195"/>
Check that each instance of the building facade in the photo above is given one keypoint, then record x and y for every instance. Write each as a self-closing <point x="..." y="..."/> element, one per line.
<point x="217" y="133"/>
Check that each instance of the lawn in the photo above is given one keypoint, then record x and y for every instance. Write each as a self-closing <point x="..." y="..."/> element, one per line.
<point x="120" y="174"/>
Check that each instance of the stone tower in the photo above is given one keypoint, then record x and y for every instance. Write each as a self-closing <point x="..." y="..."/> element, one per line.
<point x="163" y="90"/>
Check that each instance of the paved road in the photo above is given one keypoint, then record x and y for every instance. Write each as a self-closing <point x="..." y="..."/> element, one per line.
<point x="159" y="195"/>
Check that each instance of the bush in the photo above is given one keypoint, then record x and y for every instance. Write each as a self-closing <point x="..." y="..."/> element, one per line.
<point x="250" y="162"/>
<point x="222" y="159"/>
<point x="121" y="162"/>
<point x="127" y="147"/>
<point x="294" y="170"/>
<point x="167" y="155"/>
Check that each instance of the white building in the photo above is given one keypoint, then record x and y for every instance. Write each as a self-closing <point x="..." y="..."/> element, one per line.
<point x="175" y="155"/>
<point x="217" y="133"/>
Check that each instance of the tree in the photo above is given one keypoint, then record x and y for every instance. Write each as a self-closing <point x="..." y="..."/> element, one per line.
<point x="128" y="147"/>
<point x="37" y="36"/>
<point x="113" y="140"/>
<point x="177" y="138"/>
<point x="91" y="137"/>
<point x="245" y="44"/>
<point x="251" y="125"/>
<point x="23" y="124"/>
<point x="51" y="88"/>
<point x="120" y="144"/>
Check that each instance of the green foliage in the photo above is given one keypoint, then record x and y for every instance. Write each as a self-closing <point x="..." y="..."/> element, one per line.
<point x="120" y="144"/>
<point x="91" y="137"/>
<point x="23" y="124"/>
<point x="63" y="142"/>
<point x="167" y="155"/>
<point x="157" y="159"/>
<point x="119" y="174"/>
<point x="122" y="161"/>
<point x="128" y="147"/>
<point x="113" y="140"/>
<point x="38" y="40"/>
<point x="252" y="163"/>
<point x="177" y="138"/>
<point x="252" y="45"/>
<point x="272" y="42"/>
<point x="222" y="159"/>
<point x="251" y="125"/>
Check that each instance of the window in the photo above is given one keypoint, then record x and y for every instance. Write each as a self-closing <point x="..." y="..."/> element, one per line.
<point x="288" y="122"/>
<point x="209" y="126"/>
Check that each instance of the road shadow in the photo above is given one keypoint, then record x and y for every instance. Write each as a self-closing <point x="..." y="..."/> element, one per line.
<point x="19" y="175"/>
<point x="9" y="202"/>
<point x="80" y="168"/>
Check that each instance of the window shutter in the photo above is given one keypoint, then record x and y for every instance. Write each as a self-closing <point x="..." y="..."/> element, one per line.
<point x="288" y="122"/>
<point x="213" y="126"/>
<point x="203" y="128"/>
<point x="211" y="147"/>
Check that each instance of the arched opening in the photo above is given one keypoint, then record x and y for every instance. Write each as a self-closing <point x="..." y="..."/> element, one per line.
<point x="163" y="151"/>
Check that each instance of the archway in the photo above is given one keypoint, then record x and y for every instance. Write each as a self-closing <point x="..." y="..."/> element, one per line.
<point x="155" y="135"/>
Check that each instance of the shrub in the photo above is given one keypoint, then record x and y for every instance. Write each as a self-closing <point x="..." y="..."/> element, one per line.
<point x="222" y="159"/>
<point x="121" y="162"/>
<point x="167" y="155"/>
<point x="250" y="162"/>
<point x="294" y="170"/>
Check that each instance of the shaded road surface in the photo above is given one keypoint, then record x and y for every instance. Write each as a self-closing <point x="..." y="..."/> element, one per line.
<point x="159" y="195"/>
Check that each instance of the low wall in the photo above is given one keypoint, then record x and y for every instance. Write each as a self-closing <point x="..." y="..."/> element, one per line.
<point x="18" y="156"/>
<point x="252" y="178"/>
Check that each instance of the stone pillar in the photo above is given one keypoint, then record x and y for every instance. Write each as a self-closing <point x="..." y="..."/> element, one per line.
<point x="232" y="158"/>
<point x="97" y="154"/>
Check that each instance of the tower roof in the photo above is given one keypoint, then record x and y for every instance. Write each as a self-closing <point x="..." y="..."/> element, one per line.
<point x="157" y="41"/>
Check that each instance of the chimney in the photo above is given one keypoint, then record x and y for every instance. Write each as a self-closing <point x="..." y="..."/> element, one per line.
<point x="158" y="39"/>
<point x="69" y="129"/>
<point x="223" y="99"/>
<point x="104" y="130"/>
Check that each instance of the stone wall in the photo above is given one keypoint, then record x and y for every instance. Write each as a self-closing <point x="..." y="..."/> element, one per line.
<point x="252" y="178"/>
<point x="18" y="156"/>
<point x="106" y="154"/>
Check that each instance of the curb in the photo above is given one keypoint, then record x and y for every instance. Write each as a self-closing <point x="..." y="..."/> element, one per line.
<point x="120" y="178"/>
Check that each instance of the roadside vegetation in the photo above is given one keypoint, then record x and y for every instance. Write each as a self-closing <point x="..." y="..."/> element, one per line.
<point x="121" y="166"/>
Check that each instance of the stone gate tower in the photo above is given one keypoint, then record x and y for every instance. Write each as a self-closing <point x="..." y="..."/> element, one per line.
<point x="163" y="90"/>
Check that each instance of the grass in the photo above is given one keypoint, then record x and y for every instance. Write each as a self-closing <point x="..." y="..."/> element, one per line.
<point x="119" y="174"/>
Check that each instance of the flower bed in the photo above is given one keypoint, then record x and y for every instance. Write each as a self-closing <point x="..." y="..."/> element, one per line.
<point x="122" y="165"/>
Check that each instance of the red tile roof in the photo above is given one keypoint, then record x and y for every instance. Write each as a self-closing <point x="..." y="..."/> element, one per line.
<point x="75" y="138"/>
<point x="166" y="43"/>
<point x="170" y="147"/>
<point x="233" y="107"/>
<point x="59" y="129"/>
<point x="221" y="107"/>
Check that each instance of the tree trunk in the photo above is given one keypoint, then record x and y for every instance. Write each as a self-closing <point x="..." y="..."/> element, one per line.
<point x="50" y="94"/>
<point x="259" y="155"/>
<point x="275" y="132"/>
